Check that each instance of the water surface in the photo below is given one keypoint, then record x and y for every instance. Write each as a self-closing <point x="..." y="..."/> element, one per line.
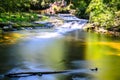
<point x="46" y="50"/>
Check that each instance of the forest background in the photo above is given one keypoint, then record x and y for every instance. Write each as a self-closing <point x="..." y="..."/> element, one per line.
<point x="100" y="13"/>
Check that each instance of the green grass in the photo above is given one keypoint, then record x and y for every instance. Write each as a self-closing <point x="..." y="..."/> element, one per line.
<point x="21" y="19"/>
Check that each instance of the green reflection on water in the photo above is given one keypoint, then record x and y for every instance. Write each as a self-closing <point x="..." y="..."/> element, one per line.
<point x="9" y="38"/>
<point x="103" y="52"/>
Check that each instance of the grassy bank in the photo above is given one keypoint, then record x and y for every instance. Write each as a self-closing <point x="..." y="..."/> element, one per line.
<point x="20" y="19"/>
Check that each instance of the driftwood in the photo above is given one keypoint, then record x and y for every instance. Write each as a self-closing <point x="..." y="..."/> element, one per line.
<point x="25" y="74"/>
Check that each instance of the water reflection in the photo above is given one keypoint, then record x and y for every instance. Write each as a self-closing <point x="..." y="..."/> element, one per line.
<point x="76" y="51"/>
<point x="33" y="54"/>
<point x="103" y="52"/>
<point x="9" y="38"/>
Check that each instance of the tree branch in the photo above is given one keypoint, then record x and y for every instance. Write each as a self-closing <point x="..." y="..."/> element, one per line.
<point x="25" y="74"/>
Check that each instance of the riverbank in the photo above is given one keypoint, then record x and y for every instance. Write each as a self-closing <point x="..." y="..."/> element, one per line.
<point x="20" y="21"/>
<point x="38" y="21"/>
<point x="113" y="31"/>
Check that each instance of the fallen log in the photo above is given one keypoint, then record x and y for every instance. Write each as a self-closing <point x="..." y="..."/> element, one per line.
<point x="26" y="74"/>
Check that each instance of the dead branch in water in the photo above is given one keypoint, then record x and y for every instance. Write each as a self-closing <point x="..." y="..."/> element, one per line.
<point x="25" y="74"/>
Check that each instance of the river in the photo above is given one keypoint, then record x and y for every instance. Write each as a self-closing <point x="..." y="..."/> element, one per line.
<point x="45" y="50"/>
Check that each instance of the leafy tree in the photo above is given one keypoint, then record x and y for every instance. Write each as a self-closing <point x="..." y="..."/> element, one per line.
<point x="100" y="14"/>
<point x="80" y="7"/>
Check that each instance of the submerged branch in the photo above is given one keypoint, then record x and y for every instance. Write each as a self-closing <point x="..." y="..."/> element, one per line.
<point x="25" y="74"/>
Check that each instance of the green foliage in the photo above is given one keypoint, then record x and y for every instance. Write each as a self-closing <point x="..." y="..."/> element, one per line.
<point x="15" y="5"/>
<point x="113" y="3"/>
<point x="15" y="17"/>
<point x="44" y="18"/>
<point x="101" y="14"/>
<point x="42" y="3"/>
<point x="18" y="19"/>
<point x="117" y="19"/>
<point x="80" y="7"/>
<point x="95" y="5"/>
<point x="2" y="9"/>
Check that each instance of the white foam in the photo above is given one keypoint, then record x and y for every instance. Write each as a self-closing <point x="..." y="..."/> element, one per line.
<point x="48" y="35"/>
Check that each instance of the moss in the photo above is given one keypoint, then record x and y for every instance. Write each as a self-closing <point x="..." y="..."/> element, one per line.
<point x="16" y="17"/>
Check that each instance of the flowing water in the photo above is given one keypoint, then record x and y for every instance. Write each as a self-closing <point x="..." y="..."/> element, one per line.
<point x="87" y="56"/>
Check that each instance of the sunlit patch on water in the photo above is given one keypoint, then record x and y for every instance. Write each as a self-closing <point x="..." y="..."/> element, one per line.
<point x="110" y="48"/>
<point x="10" y="38"/>
<point x="115" y="45"/>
